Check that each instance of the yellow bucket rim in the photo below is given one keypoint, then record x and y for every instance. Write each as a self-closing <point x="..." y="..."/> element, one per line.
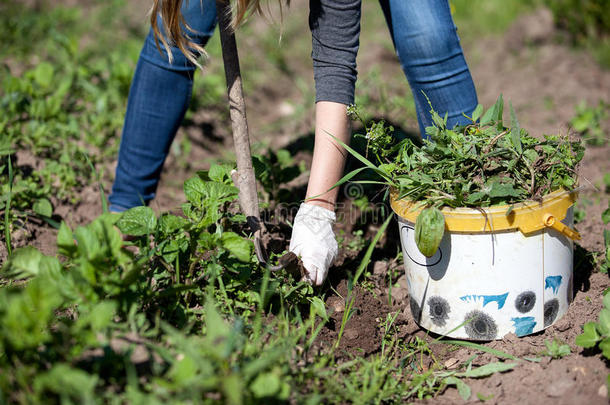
<point x="528" y="217"/>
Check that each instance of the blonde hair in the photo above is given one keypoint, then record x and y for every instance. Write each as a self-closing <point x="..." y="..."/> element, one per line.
<point x="173" y="21"/>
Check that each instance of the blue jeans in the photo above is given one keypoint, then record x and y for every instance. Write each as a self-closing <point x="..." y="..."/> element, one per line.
<point x="425" y="39"/>
<point x="431" y="57"/>
<point x="158" y="99"/>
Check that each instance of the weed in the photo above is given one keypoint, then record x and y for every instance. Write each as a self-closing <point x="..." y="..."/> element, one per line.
<point x="588" y="122"/>
<point x="597" y="334"/>
<point x="605" y="260"/>
<point x="556" y="349"/>
<point x="481" y="164"/>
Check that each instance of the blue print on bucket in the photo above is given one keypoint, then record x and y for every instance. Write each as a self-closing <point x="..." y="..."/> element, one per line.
<point x="500" y="299"/>
<point x="552" y="282"/>
<point x="524" y="325"/>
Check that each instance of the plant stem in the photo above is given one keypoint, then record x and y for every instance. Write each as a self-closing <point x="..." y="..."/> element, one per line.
<point x="7" y="209"/>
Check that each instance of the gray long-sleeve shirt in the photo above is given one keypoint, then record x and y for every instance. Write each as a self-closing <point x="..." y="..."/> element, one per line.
<point x="335" y="33"/>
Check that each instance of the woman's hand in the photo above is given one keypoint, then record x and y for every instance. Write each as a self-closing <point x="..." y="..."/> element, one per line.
<point x="313" y="240"/>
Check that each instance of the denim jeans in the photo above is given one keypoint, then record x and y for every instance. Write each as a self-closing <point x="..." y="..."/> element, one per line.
<point x="158" y="99"/>
<point x="426" y="43"/>
<point x="431" y="57"/>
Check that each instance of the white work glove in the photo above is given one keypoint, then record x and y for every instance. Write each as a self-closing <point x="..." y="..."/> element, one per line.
<point x="313" y="241"/>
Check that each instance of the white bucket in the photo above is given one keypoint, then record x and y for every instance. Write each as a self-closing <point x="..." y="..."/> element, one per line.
<point x="484" y="284"/>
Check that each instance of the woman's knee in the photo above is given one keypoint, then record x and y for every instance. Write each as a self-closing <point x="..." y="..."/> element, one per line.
<point x="423" y="33"/>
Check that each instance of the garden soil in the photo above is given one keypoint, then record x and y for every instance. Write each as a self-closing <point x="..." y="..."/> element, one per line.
<point x="544" y="80"/>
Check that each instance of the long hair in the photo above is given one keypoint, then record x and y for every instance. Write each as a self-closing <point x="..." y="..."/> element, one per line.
<point x="173" y="21"/>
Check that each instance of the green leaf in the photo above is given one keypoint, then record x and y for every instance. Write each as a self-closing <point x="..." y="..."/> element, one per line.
<point x="318" y="305"/>
<point x="265" y="385"/>
<point x="171" y="223"/>
<point x="43" y="74"/>
<point x="65" y="381"/>
<point x="219" y="173"/>
<point x="462" y="387"/>
<point x="194" y="189"/>
<point x="429" y="230"/>
<point x="137" y="221"/>
<point x="498" y="111"/>
<point x="183" y="371"/>
<point x="99" y="317"/>
<point x="65" y="240"/>
<point x="604" y="345"/>
<point x="603" y="325"/>
<point x="25" y="260"/>
<point x="476" y="114"/>
<point x="239" y="247"/>
<point x="479" y="347"/>
<point x="606" y="215"/>
<point x="488" y="116"/>
<point x="284" y="157"/>
<point x="589" y="337"/>
<point x="488" y="369"/>
<point x="475" y="197"/>
<point x="233" y="389"/>
<point x="362" y="159"/>
<point x="43" y="207"/>
<point x="502" y="190"/>
<point x="606" y="301"/>
<point x="515" y="131"/>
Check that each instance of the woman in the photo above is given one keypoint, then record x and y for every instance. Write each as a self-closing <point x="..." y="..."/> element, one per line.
<point x="427" y="46"/>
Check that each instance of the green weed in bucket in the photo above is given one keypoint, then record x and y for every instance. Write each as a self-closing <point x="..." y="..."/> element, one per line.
<point x="481" y="164"/>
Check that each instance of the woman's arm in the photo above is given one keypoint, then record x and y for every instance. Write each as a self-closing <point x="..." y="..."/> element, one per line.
<point x="328" y="156"/>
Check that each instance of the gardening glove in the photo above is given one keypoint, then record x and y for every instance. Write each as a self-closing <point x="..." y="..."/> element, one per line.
<point x="313" y="241"/>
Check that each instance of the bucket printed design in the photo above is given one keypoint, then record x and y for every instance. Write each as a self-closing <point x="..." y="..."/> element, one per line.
<point x="482" y="286"/>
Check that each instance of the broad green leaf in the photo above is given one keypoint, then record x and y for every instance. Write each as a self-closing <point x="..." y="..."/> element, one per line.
<point x="65" y="240"/>
<point x="284" y="158"/>
<point x="475" y="197"/>
<point x="100" y="315"/>
<point x="462" y="387"/>
<point x="43" y="74"/>
<point x="43" y="207"/>
<point x="183" y="371"/>
<point x="239" y="247"/>
<point x="217" y="329"/>
<point x="589" y="337"/>
<point x="171" y="223"/>
<point x="319" y="307"/>
<point x="502" y="190"/>
<point x="233" y="389"/>
<point x="265" y="385"/>
<point x="488" y="369"/>
<point x="219" y="173"/>
<point x="137" y="221"/>
<point x="488" y="116"/>
<point x="194" y="189"/>
<point x="24" y="261"/>
<point x="429" y="230"/>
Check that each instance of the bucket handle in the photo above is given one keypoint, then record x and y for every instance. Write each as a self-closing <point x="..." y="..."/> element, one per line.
<point x="551" y="222"/>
